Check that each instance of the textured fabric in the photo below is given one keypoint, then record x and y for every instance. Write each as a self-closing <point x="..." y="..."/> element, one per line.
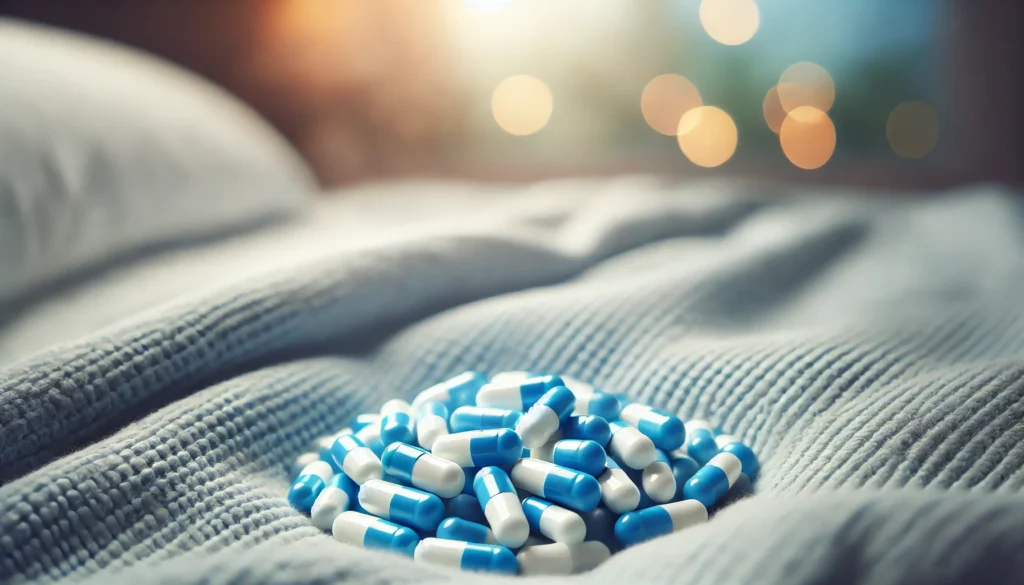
<point x="870" y="350"/>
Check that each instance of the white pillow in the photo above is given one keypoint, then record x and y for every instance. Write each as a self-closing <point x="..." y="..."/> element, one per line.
<point x="106" y="151"/>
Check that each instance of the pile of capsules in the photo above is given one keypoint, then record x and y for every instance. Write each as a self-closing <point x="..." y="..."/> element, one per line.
<point x="547" y="466"/>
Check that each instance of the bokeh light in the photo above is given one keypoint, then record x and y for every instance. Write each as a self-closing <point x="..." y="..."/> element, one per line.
<point x="806" y="84"/>
<point x="912" y="129"/>
<point x="522" y="105"/>
<point x="730" y="22"/>
<point x="664" y="101"/>
<point x="707" y="136"/>
<point x="808" y="137"/>
<point x="772" y="109"/>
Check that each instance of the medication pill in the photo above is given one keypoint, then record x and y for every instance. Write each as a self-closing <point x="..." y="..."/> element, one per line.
<point x="519" y="395"/>
<point x="561" y="485"/>
<point x="665" y="430"/>
<point x="600" y="523"/>
<point x="578" y="387"/>
<point x="308" y="485"/>
<point x="636" y="527"/>
<point x="618" y="492"/>
<point x="419" y="468"/>
<point x="301" y="462"/>
<point x="367" y="531"/>
<point x="397" y="427"/>
<point x="478" y="418"/>
<point x="561" y="559"/>
<point x="396" y="405"/>
<point x="630" y="447"/>
<point x="511" y="377"/>
<point x="658" y="482"/>
<point x="361" y="421"/>
<point x="467" y="556"/>
<point x="602" y="404"/>
<point x="588" y="427"/>
<point x="370" y="436"/>
<point x="355" y="459"/>
<point x="453" y="392"/>
<point x="700" y="443"/>
<point x="467" y="507"/>
<point x="501" y="506"/>
<point x="554" y="522"/>
<point x="713" y="481"/>
<point x="683" y="469"/>
<point x="739" y="490"/>
<point x="331" y="502"/>
<point x="459" y="529"/>
<point x="585" y="456"/>
<point x="479" y="448"/>
<point x="345" y="483"/>
<point x="545" y="416"/>
<point x="404" y="505"/>
<point x="748" y="460"/>
<point x="432" y="423"/>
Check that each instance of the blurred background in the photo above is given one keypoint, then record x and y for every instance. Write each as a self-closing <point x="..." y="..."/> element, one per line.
<point x="882" y="93"/>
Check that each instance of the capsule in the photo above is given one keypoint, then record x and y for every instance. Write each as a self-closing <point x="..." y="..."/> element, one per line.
<point x="355" y="459"/>
<point x="600" y="523"/>
<point x="478" y="418"/>
<point x="467" y="507"/>
<point x="397" y="427"/>
<point x="367" y="531"/>
<point x="405" y="505"/>
<point x="467" y="556"/>
<point x="561" y="559"/>
<point x="683" y="469"/>
<point x="501" y="506"/>
<point x="415" y="466"/>
<point x="454" y="392"/>
<point x="748" y="460"/>
<point x="545" y="417"/>
<point x="345" y="483"/>
<point x="561" y="485"/>
<point x="370" y="436"/>
<point x="459" y="529"/>
<point x="602" y="404"/>
<point x="301" y="462"/>
<point x="713" y="481"/>
<point x="636" y="527"/>
<point x="584" y="456"/>
<point x="519" y="395"/>
<point x="578" y="387"/>
<point x="361" y="421"/>
<point x="308" y="485"/>
<point x="700" y="444"/>
<point x="554" y="522"/>
<point x="587" y="427"/>
<point x="479" y="448"/>
<point x="665" y="430"/>
<point x="630" y="447"/>
<point x="618" y="493"/>
<point x="432" y="423"/>
<point x="331" y="502"/>
<point x="658" y="482"/>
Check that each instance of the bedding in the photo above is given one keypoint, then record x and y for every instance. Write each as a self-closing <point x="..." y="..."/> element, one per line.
<point x="869" y="347"/>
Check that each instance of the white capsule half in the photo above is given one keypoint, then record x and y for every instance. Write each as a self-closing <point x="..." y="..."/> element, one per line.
<point x="561" y="559"/>
<point x="537" y="426"/>
<point x="429" y="428"/>
<point x="506" y="378"/>
<point x="505" y="515"/>
<point x="438" y="476"/>
<point x="618" y="493"/>
<point x="658" y="482"/>
<point x="634" y="449"/>
<point x="331" y="502"/>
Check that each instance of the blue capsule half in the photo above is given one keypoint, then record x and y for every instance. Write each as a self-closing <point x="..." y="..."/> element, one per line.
<point x="683" y="469"/>
<point x="712" y="481"/>
<point x="602" y="404"/>
<point x="453" y="392"/>
<point x="700" y="444"/>
<point x="584" y="456"/>
<point x="398" y="427"/>
<point x="478" y="418"/>
<point x="589" y="427"/>
<point x="467" y="507"/>
<point x="458" y="529"/>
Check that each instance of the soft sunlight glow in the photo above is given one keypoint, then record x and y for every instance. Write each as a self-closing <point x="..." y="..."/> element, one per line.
<point x="486" y="5"/>
<point x="912" y="129"/>
<point x="806" y="84"/>
<point x="730" y="22"/>
<point x="772" y="109"/>
<point x="664" y="101"/>
<point x="707" y="136"/>
<point x="808" y="137"/>
<point x="522" y="105"/>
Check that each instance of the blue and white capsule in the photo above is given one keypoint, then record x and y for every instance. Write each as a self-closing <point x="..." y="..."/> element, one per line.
<point x="658" y="481"/>
<point x="479" y="448"/>
<point x="578" y="387"/>
<point x="331" y="502"/>
<point x="520" y="395"/>
<point x="467" y="556"/>
<point x="555" y="522"/>
<point x="748" y="460"/>
<point x="301" y="462"/>
<point x="432" y="423"/>
<point x="397" y="427"/>
<point x="664" y="429"/>
<point x="465" y="506"/>
<point x="479" y="418"/>
<point x="631" y="447"/>
<point x="421" y="469"/>
<point x="459" y="529"/>
<point x="367" y="531"/>
<point x="501" y="506"/>
<point x="584" y="456"/>
<point x="636" y="527"/>
<point x="568" y="487"/>
<point x="710" y="484"/>
<point x="308" y="485"/>
<point x="544" y="418"/>
<point x="561" y="559"/>
<point x="700" y="443"/>
<point x="404" y="505"/>
<point x="370" y="436"/>
<point x="602" y="404"/>
<point x="618" y="492"/>
<point x="588" y="427"/>
<point x="355" y="459"/>
<point x="453" y="392"/>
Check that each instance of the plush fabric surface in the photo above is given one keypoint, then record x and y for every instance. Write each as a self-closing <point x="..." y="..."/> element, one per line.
<point x="105" y="151"/>
<point x="870" y="349"/>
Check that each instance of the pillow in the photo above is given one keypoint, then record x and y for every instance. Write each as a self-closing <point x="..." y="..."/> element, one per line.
<point x="106" y="151"/>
